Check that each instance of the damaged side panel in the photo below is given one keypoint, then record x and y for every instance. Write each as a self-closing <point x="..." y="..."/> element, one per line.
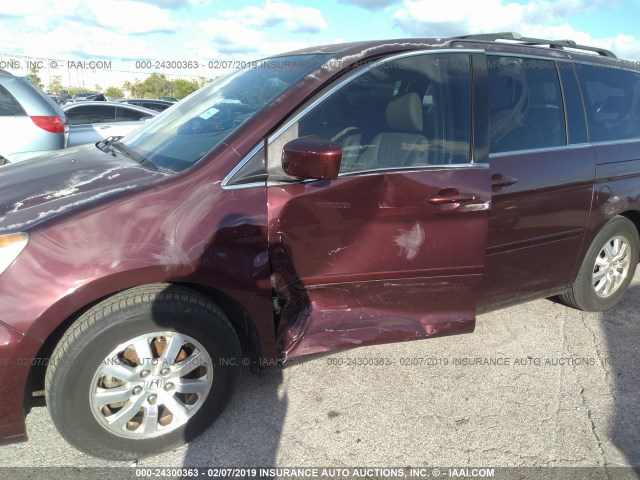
<point x="368" y="259"/>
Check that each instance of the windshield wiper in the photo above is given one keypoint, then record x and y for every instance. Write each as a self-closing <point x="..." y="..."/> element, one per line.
<point x="116" y="145"/>
<point x="104" y="144"/>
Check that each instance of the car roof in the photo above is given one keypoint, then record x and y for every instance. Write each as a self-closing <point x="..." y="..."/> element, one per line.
<point x="30" y="97"/>
<point x="71" y="106"/>
<point x="511" y="42"/>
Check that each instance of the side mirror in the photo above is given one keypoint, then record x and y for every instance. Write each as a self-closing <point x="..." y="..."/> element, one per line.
<point x="312" y="158"/>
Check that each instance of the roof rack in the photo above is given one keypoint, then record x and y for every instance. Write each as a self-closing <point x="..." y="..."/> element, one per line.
<point x="514" y="36"/>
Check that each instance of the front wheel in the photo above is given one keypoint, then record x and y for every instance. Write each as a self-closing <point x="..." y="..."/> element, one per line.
<point x="607" y="269"/>
<point x="142" y="372"/>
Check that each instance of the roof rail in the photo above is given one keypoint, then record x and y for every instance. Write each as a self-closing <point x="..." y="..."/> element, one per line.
<point x="516" y="37"/>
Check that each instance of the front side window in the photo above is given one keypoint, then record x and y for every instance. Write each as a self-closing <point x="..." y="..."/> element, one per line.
<point x="612" y="100"/>
<point x="409" y="113"/>
<point x="526" y="108"/>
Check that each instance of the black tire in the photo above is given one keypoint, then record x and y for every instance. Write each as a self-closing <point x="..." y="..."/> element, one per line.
<point x="111" y="323"/>
<point x="582" y="294"/>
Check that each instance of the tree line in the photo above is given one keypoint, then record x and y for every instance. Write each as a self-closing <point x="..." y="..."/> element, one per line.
<point x="154" y="86"/>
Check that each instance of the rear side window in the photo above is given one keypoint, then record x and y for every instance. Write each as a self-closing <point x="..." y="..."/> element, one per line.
<point x="158" y="107"/>
<point x="612" y="100"/>
<point x="526" y="104"/>
<point x="91" y="114"/>
<point x="124" y="114"/>
<point x="8" y="105"/>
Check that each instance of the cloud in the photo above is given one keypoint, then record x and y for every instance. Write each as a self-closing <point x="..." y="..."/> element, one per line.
<point x="370" y="4"/>
<point x="169" y="4"/>
<point x="122" y="16"/>
<point x="131" y="17"/>
<point x="177" y="4"/>
<point x="294" y="18"/>
<point x="537" y="18"/>
<point x="247" y="32"/>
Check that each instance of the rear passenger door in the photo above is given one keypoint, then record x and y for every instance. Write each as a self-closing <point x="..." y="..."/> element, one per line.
<point x="542" y="177"/>
<point x="394" y="248"/>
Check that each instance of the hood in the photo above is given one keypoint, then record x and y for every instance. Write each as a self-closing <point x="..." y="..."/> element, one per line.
<point x="44" y="187"/>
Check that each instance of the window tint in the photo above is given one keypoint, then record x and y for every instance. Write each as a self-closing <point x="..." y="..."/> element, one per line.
<point x="526" y="104"/>
<point x="158" y="107"/>
<point x="411" y="112"/>
<point x="8" y="104"/>
<point x="91" y="114"/>
<point x="124" y="114"/>
<point x="611" y="97"/>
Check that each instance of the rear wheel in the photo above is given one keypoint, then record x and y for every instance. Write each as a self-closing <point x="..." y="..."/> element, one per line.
<point x="607" y="269"/>
<point x="142" y="372"/>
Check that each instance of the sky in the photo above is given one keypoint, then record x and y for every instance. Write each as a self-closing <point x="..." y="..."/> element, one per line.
<point x="125" y="31"/>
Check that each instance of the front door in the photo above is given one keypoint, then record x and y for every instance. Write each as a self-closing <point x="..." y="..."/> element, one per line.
<point x="394" y="248"/>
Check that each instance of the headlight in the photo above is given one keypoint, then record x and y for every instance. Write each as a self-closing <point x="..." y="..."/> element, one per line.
<point x="10" y="247"/>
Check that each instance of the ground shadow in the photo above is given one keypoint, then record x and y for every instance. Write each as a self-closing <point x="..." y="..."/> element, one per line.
<point x="248" y="433"/>
<point x="621" y="327"/>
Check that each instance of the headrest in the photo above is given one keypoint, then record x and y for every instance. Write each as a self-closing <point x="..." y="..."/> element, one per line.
<point x="404" y="114"/>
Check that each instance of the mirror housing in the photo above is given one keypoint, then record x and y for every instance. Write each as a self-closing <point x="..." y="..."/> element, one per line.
<point x="312" y="158"/>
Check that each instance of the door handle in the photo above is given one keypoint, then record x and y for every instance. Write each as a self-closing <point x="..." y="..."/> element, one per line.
<point x="499" y="181"/>
<point x="449" y="196"/>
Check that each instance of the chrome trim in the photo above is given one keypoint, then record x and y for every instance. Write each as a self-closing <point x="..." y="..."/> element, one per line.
<point x="241" y="164"/>
<point x="376" y="171"/>
<point x="540" y="150"/>
<point x="614" y="142"/>
<point x="414" y="169"/>
<point x="570" y="59"/>
<point x="244" y="185"/>
<point x="493" y="53"/>
<point x="355" y="75"/>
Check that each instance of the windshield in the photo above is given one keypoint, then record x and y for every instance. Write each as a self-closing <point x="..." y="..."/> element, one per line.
<point x="184" y="133"/>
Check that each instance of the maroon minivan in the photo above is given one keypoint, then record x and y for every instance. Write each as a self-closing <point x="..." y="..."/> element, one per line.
<point x="324" y="199"/>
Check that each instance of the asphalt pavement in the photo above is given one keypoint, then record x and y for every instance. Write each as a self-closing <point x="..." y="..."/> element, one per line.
<point x="539" y="384"/>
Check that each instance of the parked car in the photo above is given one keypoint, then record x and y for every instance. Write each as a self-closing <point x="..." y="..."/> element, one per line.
<point x="64" y="96"/>
<point x="86" y="97"/>
<point x="94" y="121"/>
<point x="168" y="99"/>
<point x="380" y="192"/>
<point x="30" y="122"/>
<point x="157" y="105"/>
<point x="56" y="99"/>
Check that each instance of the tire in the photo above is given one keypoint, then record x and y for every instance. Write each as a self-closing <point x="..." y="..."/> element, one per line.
<point x="584" y="294"/>
<point x="183" y="369"/>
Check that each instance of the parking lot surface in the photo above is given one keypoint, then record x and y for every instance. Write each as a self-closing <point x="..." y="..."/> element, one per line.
<point x="538" y="384"/>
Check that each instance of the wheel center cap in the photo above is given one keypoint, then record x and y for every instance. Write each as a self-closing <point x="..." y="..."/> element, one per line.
<point x="153" y="385"/>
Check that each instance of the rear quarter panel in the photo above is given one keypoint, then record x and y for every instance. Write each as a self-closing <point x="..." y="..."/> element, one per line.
<point x="617" y="185"/>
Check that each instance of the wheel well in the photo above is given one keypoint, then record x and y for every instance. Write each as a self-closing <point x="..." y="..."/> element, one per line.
<point x="634" y="216"/>
<point x="239" y="318"/>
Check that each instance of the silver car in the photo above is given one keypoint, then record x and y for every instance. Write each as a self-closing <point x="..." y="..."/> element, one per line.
<point x="94" y="121"/>
<point x="30" y="122"/>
